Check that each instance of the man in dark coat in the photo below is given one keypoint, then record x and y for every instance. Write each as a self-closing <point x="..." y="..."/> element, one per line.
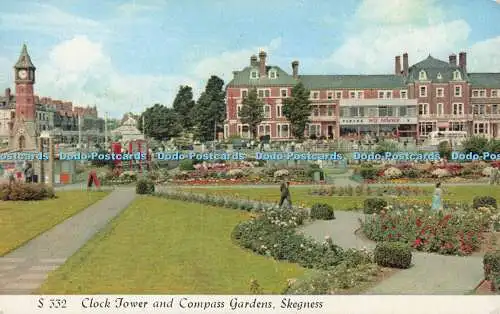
<point x="285" y="194"/>
<point x="28" y="173"/>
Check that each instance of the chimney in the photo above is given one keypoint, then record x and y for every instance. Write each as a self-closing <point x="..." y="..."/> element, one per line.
<point x="397" y="65"/>
<point x="262" y="63"/>
<point x="7" y="94"/>
<point x="405" y="63"/>
<point x="295" y="69"/>
<point x="253" y="61"/>
<point x="462" y="60"/>
<point x="453" y="59"/>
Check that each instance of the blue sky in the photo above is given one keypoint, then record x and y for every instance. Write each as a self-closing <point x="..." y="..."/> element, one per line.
<point x="125" y="55"/>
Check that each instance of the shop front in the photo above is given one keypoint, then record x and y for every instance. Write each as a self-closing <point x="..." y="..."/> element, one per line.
<point x="382" y="127"/>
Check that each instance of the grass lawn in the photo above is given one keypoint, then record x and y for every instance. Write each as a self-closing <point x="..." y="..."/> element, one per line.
<point x="168" y="247"/>
<point x="21" y="221"/>
<point x="300" y="194"/>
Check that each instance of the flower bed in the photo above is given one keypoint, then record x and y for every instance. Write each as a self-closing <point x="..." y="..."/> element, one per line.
<point x="456" y="232"/>
<point x="272" y="232"/>
<point x="229" y="181"/>
<point x="364" y="190"/>
<point x="425" y="172"/>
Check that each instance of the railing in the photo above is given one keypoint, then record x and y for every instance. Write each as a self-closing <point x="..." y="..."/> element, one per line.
<point x="323" y="118"/>
<point x="445" y="116"/>
<point x="486" y="116"/>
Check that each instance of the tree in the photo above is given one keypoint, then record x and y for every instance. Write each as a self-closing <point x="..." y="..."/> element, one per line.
<point x="210" y="109"/>
<point x="160" y="122"/>
<point x="183" y="105"/>
<point x="297" y="109"/>
<point x="475" y="144"/>
<point x="252" y="111"/>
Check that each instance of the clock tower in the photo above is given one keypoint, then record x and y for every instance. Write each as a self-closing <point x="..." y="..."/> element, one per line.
<point x="24" y="135"/>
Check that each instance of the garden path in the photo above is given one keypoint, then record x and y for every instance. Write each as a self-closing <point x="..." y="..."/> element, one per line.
<point x="430" y="273"/>
<point x="26" y="268"/>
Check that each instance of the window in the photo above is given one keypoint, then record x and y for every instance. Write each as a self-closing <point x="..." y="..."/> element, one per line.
<point x="385" y="111"/>
<point x="426" y="127"/>
<point x="458" y="91"/>
<point x="458" y="109"/>
<point x="238" y="111"/>
<point x="457" y="126"/>
<point x="381" y="94"/>
<point x="283" y="130"/>
<point x="278" y="111"/>
<point x="384" y="94"/>
<point x="479" y="93"/>
<point x="440" y="92"/>
<point x="254" y="74"/>
<point x="272" y="75"/>
<point x="329" y="95"/>
<point x="264" y="129"/>
<point x="267" y="111"/>
<point x="423" y="109"/>
<point x="480" y="128"/>
<point x="494" y="109"/>
<point x="243" y="130"/>
<point x="478" y="109"/>
<point x="284" y="92"/>
<point x="439" y="76"/>
<point x="315" y="129"/>
<point x="440" y="109"/>
<point x="403" y="94"/>
<point x="329" y="111"/>
<point x="244" y="93"/>
<point x="315" y="111"/>
<point x="338" y="95"/>
<point x="352" y="94"/>
<point x="360" y="95"/>
<point x="422" y="76"/>
<point x="315" y="95"/>
<point x="423" y="91"/>
<point x="264" y="93"/>
<point x="494" y="93"/>
<point x="402" y="111"/>
<point x="457" y="76"/>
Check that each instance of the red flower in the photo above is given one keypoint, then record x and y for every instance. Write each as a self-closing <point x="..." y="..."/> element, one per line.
<point x="419" y="222"/>
<point x="417" y="243"/>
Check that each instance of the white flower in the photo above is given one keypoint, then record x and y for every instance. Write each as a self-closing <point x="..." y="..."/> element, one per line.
<point x="392" y="173"/>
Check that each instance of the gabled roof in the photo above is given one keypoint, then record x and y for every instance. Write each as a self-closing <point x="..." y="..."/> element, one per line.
<point x="352" y="81"/>
<point x="432" y="68"/>
<point x="242" y="78"/>
<point x="24" y="60"/>
<point x="485" y="80"/>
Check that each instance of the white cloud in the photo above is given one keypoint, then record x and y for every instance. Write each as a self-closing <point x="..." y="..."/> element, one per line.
<point x="224" y="65"/>
<point x="80" y="70"/>
<point x="133" y="7"/>
<point x="398" y="26"/>
<point x="372" y="50"/>
<point x="484" y="56"/>
<point x="50" y="20"/>
<point x="399" y="11"/>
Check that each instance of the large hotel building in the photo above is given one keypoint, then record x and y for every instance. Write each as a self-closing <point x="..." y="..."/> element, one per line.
<point x="431" y="95"/>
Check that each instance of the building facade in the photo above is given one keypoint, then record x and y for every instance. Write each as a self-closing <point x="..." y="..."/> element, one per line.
<point x="431" y="95"/>
<point x="67" y="123"/>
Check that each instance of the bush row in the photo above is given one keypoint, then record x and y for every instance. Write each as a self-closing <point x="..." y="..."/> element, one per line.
<point x="25" y="192"/>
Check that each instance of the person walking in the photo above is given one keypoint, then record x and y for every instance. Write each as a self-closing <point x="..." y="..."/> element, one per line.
<point x="437" y="204"/>
<point x="285" y="194"/>
<point x="28" y="173"/>
<point x="494" y="176"/>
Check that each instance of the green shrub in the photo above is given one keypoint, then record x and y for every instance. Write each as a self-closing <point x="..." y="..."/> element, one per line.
<point x="411" y="173"/>
<point x="484" y="201"/>
<point x="145" y="186"/>
<point x="315" y="284"/>
<point x="322" y="211"/>
<point x="186" y="165"/>
<point x="491" y="264"/>
<point x="495" y="282"/>
<point x="368" y="172"/>
<point x="26" y="192"/>
<point x="374" y="205"/>
<point x="393" y="254"/>
<point x="444" y="149"/>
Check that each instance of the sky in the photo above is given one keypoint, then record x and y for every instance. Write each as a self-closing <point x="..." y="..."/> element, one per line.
<point x="127" y="55"/>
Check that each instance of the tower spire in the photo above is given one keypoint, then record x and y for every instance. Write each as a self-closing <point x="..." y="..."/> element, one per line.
<point x="24" y="60"/>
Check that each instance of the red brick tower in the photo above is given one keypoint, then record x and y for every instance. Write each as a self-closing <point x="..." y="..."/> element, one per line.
<point x="24" y="135"/>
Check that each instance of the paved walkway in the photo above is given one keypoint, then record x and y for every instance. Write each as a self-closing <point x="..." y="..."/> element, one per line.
<point x="430" y="273"/>
<point x="25" y="269"/>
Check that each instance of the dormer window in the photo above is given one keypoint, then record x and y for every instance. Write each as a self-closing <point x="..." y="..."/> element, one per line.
<point x="272" y="74"/>
<point x="439" y="76"/>
<point x="254" y="74"/>
<point x="457" y="76"/>
<point x="422" y="75"/>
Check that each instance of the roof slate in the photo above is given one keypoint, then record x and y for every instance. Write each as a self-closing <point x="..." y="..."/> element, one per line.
<point x="242" y="78"/>
<point x="485" y="80"/>
<point x="351" y="81"/>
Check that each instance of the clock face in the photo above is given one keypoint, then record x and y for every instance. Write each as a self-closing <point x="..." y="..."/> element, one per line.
<point x="23" y="74"/>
